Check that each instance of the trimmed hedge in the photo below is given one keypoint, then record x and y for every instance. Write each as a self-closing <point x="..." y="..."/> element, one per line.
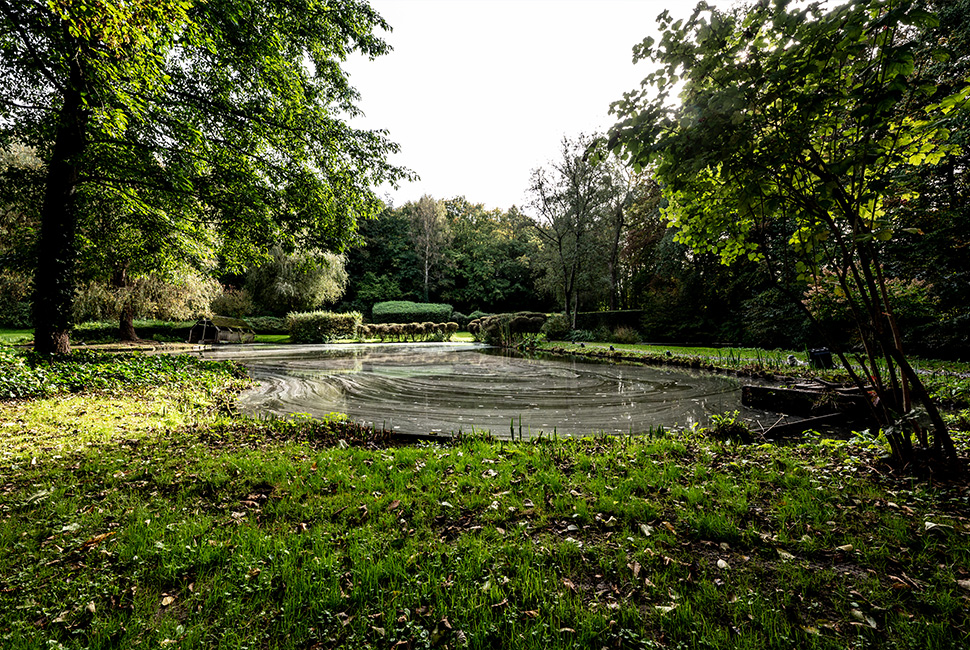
<point x="323" y="326"/>
<point x="611" y="320"/>
<point x="410" y="331"/>
<point x="405" y="311"/>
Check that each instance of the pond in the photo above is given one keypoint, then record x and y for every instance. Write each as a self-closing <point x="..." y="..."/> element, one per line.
<point x="447" y="387"/>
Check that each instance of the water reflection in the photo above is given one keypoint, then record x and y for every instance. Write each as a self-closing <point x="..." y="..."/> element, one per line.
<point x="444" y="387"/>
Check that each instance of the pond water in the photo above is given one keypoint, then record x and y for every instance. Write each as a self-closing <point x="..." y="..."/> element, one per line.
<point x="447" y="387"/>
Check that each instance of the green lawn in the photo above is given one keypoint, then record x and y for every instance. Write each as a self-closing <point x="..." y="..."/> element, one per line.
<point x="142" y="514"/>
<point x="15" y="336"/>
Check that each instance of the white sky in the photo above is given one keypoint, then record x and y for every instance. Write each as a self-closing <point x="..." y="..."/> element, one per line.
<point x="480" y="92"/>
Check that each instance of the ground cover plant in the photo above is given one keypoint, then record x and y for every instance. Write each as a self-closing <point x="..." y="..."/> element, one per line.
<point x="149" y="516"/>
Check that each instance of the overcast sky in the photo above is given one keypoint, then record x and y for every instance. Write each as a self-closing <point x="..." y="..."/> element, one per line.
<point x="480" y="92"/>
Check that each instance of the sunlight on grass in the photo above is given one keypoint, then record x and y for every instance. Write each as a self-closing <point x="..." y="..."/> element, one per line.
<point x="68" y="423"/>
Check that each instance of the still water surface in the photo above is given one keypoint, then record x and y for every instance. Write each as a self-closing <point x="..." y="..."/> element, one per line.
<point x="446" y="387"/>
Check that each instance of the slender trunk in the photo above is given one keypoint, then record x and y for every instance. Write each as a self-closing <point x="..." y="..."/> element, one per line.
<point x="54" y="277"/>
<point x="615" y="260"/>
<point x="426" y="265"/>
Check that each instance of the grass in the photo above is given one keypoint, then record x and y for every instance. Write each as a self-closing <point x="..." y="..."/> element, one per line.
<point x="150" y="516"/>
<point x="15" y="336"/>
<point x="948" y="382"/>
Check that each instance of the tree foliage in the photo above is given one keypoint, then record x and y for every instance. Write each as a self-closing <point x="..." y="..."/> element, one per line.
<point x="429" y="233"/>
<point x="221" y="121"/>
<point x="582" y="202"/>
<point x="296" y="282"/>
<point x="804" y="116"/>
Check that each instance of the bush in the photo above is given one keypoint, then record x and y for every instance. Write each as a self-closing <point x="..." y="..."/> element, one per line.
<point x="268" y="324"/>
<point x="409" y="331"/>
<point x="626" y="335"/>
<point x="14" y="301"/>
<point x="323" y="326"/>
<point x="461" y="319"/>
<point x="15" y="314"/>
<point x="507" y="330"/>
<point x="582" y="336"/>
<point x="556" y="327"/>
<point x="405" y="311"/>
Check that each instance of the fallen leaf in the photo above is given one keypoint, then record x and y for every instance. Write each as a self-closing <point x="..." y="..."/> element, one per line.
<point x="646" y="530"/>
<point x="394" y="505"/>
<point x="665" y="609"/>
<point x="167" y="600"/>
<point x="635" y="567"/>
<point x="569" y="584"/>
<point x="91" y="607"/>
<point x="846" y="548"/>
<point x="965" y="584"/>
<point x="721" y="564"/>
<point x="505" y="601"/>
<point x="785" y="555"/>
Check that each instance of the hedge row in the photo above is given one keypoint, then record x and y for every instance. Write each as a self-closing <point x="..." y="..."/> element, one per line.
<point x="323" y="326"/>
<point x="611" y="320"/>
<point x="410" y="331"/>
<point x="405" y="311"/>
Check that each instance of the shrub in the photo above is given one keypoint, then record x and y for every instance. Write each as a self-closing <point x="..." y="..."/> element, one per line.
<point x="583" y="336"/>
<point x="626" y="335"/>
<point x="14" y="301"/>
<point x="506" y="330"/>
<point x="323" y="326"/>
<point x="556" y="327"/>
<point x="405" y="311"/>
<point x="461" y="319"/>
<point x="410" y="331"/>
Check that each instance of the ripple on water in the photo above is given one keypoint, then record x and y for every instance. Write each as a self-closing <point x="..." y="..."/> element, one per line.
<point x="420" y="388"/>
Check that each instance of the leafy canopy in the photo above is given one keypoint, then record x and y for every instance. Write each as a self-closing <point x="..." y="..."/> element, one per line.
<point x="803" y="113"/>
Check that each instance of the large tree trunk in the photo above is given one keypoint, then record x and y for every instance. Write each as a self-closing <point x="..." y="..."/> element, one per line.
<point x="54" y="278"/>
<point x="126" y="324"/>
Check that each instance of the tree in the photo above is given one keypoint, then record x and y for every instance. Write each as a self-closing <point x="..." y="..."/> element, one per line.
<point x="297" y="281"/>
<point x="490" y="259"/>
<point x="801" y="117"/>
<point x="429" y="233"/>
<point x="233" y="111"/>
<point x="625" y="188"/>
<point x="570" y="199"/>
